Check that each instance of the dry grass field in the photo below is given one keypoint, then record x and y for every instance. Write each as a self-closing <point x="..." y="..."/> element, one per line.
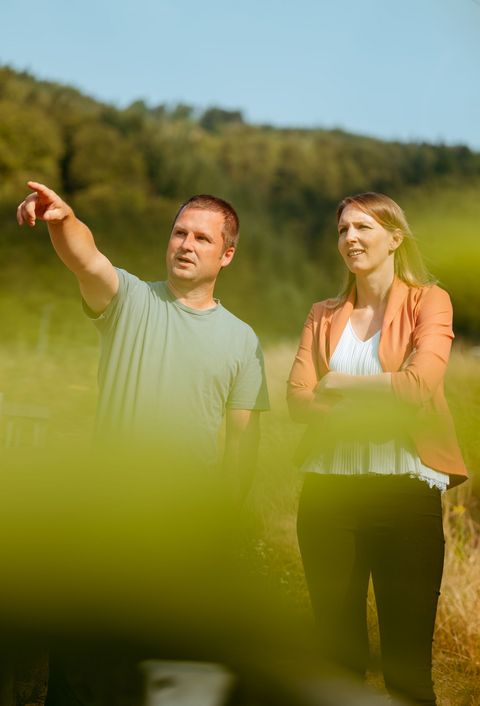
<point x="457" y="637"/>
<point x="63" y="378"/>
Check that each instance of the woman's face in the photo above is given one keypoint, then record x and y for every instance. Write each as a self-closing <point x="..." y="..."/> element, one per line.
<point x="363" y="243"/>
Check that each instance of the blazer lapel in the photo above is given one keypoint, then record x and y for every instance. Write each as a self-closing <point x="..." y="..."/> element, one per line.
<point x="396" y="298"/>
<point x="338" y="322"/>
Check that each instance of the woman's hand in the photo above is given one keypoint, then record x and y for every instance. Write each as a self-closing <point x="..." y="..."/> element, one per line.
<point x="333" y="383"/>
<point x="341" y="384"/>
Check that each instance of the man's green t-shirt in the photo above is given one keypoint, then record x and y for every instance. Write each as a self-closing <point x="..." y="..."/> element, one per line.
<point x="167" y="372"/>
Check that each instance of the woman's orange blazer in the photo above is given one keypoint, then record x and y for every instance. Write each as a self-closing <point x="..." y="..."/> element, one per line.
<point x="415" y="343"/>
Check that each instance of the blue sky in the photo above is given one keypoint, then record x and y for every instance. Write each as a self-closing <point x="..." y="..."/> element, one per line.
<point x="404" y="69"/>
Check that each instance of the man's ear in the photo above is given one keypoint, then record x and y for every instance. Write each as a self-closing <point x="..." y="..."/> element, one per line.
<point x="227" y="256"/>
<point x="396" y="238"/>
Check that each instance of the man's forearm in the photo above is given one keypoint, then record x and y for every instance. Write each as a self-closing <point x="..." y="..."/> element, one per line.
<point x="74" y="244"/>
<point x="241" y="451"/>
<point x="239" y="465"/>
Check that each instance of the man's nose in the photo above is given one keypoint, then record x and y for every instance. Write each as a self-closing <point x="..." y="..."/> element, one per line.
<point x="188" y="241"/>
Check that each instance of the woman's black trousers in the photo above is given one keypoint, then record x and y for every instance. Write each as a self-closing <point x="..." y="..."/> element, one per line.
<point x="389" y="528"/>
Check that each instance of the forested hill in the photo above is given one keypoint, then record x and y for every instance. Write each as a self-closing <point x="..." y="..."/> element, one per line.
<point x="125" y="172"/>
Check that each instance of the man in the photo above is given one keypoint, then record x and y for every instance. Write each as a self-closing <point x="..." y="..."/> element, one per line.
<point x="173" y="361"/>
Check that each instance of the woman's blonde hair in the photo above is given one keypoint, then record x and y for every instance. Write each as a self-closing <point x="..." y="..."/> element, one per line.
<point x="408" y="262"/>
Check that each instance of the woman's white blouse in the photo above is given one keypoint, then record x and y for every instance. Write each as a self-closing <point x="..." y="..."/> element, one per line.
<point x="357" y="357"/>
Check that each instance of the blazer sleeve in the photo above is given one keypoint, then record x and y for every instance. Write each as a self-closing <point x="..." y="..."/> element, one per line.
<point x="425" y="368"/>
<point x="303" y="375"/>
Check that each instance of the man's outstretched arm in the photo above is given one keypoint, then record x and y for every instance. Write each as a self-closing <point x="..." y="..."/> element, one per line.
<point x="74" y="244"/>
<point x="241" y="450"/>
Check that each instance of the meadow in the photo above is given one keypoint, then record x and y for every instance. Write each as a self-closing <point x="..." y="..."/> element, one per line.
<point x="457" y="637"/>
<point x="59" y="372"/>
<point x="286" y="184"/>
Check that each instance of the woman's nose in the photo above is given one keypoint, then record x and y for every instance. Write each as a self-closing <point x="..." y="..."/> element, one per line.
<point x="350" y="234"/>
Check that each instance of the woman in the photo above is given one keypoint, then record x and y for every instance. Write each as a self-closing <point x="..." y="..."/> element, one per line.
<point x="374" y="359"/>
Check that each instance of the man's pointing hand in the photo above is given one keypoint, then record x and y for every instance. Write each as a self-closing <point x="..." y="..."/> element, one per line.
<point x="44" y="204"/>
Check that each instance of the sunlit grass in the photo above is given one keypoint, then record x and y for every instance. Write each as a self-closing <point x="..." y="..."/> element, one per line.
<point x="63" y="378"/>
<point x="457" y="639"/>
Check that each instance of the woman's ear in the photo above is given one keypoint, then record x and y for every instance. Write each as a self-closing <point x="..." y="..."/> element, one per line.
<point x="396" y="237"/>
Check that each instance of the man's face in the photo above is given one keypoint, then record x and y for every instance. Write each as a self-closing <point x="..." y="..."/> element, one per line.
<point x="196" y="250"/>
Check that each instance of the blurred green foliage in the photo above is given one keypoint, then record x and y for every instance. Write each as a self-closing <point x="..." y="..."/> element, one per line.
<point x="126" y="171"/>
<point x="445" y="219"/>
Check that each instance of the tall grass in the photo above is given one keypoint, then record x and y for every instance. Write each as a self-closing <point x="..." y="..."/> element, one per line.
<point x="62" y="377"/>
<point x="457" y="638"/>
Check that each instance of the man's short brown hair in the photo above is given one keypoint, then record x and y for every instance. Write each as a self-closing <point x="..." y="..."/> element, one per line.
<point x="206" y="202"/>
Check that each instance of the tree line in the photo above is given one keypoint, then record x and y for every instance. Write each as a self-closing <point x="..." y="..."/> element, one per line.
<point x="125" y="171"/>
